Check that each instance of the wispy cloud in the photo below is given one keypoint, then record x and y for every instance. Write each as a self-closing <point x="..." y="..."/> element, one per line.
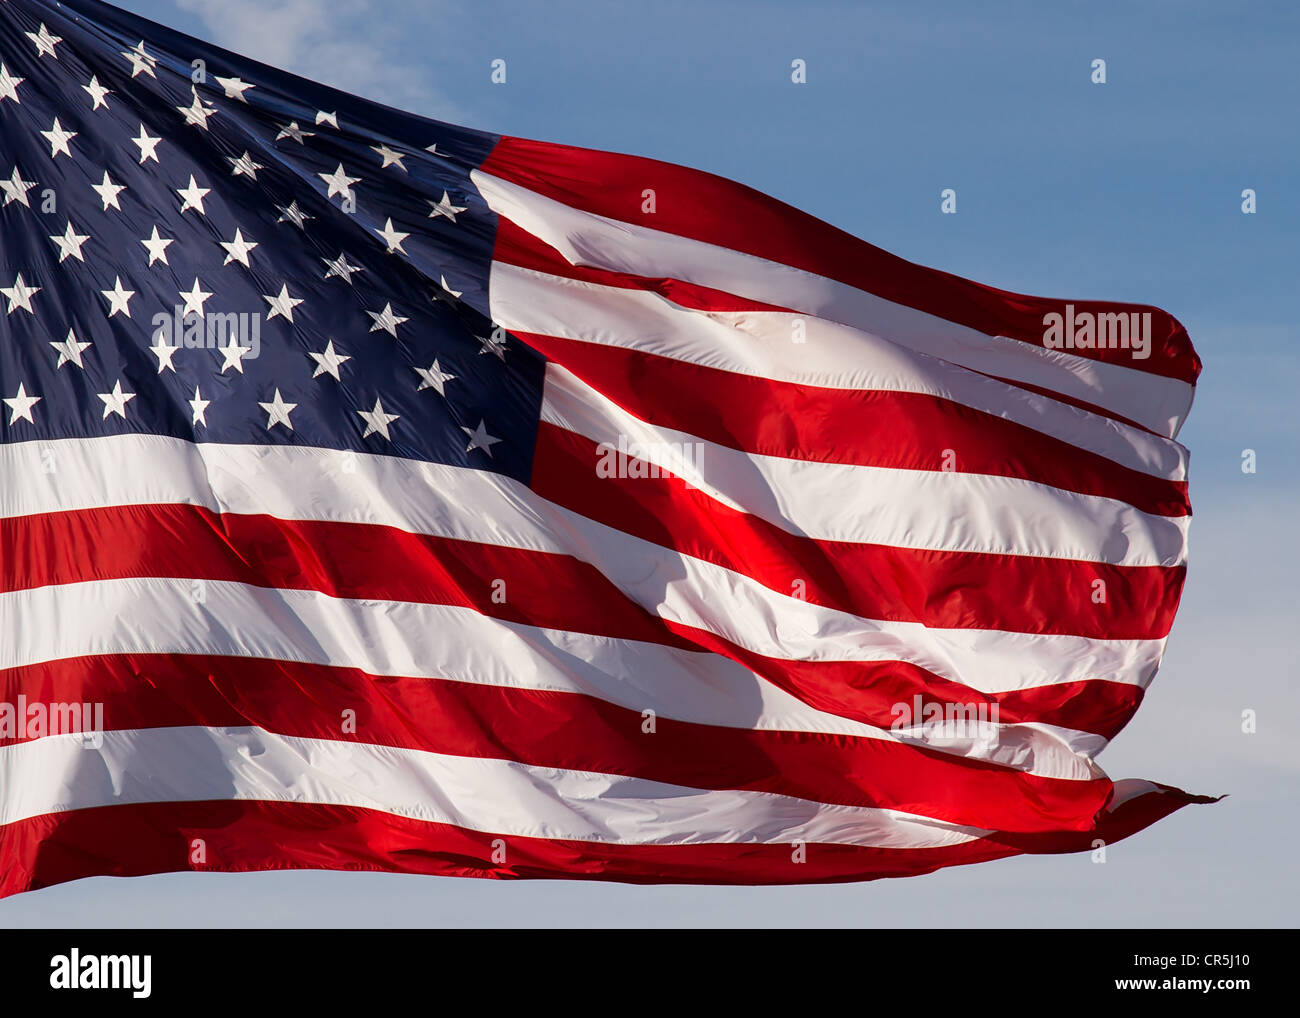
<point x="350" y="44"/>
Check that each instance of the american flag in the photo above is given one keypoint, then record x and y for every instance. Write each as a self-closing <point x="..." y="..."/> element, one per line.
<point x="377" y="493"/>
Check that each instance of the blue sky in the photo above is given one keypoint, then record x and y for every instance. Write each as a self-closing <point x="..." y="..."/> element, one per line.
<point x="1127" y="191"/>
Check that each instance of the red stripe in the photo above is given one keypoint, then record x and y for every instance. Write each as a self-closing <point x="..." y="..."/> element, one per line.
<point x="867" y="691"/>
<point x="237" y="837"/>
<point x="940" y="589"/>
<point x="516" y="246"/>
<point x="898" y="430"/>
<point x="547" y="728"/>
<point x="712" y="209"/>
<point x="354" y="560"/>
<point x="545" y="590"/>
<point x="1013" y="593"/>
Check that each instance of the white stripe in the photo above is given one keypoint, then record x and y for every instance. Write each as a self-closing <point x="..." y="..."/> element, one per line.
<point x="323" y="484"/>
<point x="165" y="616"/>
<point x="58" y="774"/>
<point x="62" y="474"/>
<point x="918" y="509"/>
<point x="761" y="344"/>
<point x="584" y="238"/>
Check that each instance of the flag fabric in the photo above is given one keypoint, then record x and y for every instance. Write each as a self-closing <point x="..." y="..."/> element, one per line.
<point x="381" y="494"/>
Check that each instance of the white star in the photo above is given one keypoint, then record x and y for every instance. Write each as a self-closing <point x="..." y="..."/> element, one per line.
<point x="244" y="166"/>
<point x="195" y="299"/>
<point x="433" y="378"/>
<point x="164" y="352"/>
<point x="393" y="238"/>
<point x="70" y="243"/>
<point x="479" y="438"/>
<point x="58" y="139"/>
<point x="386" y="320"/>
<point x="237" y="249"/>
<point x="20" y="295"/>
<point x="147" y="145"/>
<point x="15" y="188"/>
<point x="198" y="112"/>
<point x="453" y="294"/>
<point x="115" y="401"/>
<point x="9" y="86"/>
<point x="20" y="406"/>
<point x="294" y="215"/>
<point x="340" y="267"/>
<point x="327" y="361"/>
<point x="233" y="87"/>
<point x="97" y="93"/>
<point x="157" y="247"/>
<point x="295" y="132"/>
<point x="193" y="196"/>
<point x="70" y="351"/>
<point x="445" y="208"/>
<point x="277" y="412"/>
<point x="282" y="304"/>
<point x="390" y="157"/>
<point x="108" y="192"/>
<point x="327" y="118"/>
<point x="339" y="183"/>
<point x="377" y="421"/>
<point x="199" y="408"/>
<point x="45" y="42"/>
<point x="140" y="60"/>
<point x="432" y="149"/>
<point x="495" y="344"/>
<point x="233" y="356"/>
<point x="119" y="300"/>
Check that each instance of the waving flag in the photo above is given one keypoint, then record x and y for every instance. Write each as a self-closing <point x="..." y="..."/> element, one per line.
<point x="381" y="494"/>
